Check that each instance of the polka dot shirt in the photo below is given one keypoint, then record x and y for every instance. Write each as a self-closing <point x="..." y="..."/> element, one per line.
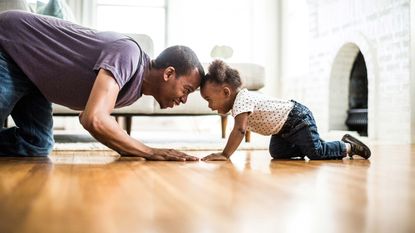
<point x="267" y="115"/>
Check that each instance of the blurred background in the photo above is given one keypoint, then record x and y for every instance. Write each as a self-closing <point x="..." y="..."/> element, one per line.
<point x="350" y="61"/>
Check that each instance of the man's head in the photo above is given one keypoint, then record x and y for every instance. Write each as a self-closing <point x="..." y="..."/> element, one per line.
<point x="182" y="74"/>
<point x="220" y="86"/>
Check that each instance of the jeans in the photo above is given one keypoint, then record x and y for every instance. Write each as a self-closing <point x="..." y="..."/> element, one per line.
<point x="30" y="110"/>
<point x="299" y="138"/>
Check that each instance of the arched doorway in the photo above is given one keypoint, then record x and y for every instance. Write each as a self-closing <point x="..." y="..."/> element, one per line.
<point x="358" y="96"/>
<point x="344" y="59"/>
<point x="348" y="95"/>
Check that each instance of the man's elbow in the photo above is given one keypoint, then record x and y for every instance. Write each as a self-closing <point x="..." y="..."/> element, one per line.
<point x="92" y="123"/>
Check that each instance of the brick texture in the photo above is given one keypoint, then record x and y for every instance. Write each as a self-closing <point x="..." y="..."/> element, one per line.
<point x="336" y="31"/>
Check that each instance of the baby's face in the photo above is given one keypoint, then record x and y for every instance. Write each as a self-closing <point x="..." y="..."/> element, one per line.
<point x="215" y="95"/>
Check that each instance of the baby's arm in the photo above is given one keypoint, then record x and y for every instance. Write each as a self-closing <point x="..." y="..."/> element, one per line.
<point x="237" y="134"/>
<point x="235" y="139"/>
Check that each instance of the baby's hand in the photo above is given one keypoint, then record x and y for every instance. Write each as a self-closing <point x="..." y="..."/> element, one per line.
<point x="215" y="157"/>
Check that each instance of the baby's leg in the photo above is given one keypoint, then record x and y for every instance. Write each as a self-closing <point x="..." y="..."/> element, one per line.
<point x="307" y="139"/>
<point x="282" y="149"/>
<point x="301" y="130"/>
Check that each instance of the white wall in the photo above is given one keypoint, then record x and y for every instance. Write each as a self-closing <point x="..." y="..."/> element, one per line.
<point x="295" y="48"/>
<point x="267" y="42"/>
<point x="380" y="29"/>
<point x="412" y="75"/>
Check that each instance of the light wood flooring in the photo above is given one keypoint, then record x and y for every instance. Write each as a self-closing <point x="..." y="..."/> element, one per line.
<point x="99" y="192"/>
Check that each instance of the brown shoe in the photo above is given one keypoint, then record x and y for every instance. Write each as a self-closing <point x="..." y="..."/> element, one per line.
<point x="357" y="147"/>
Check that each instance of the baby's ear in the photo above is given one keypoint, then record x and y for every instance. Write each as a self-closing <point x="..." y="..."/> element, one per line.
<point x="227" y="91"/>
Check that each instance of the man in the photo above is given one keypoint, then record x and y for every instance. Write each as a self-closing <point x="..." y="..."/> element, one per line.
<point x="44" y="60"/>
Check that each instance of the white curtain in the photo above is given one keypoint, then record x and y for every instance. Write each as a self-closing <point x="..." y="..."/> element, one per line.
<point x="13" y="5"/>
<point x="84" y="11"/>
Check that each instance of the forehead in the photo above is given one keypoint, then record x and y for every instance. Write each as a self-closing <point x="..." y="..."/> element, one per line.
<point x="191" y="79"/>
<point x="210" y="88"/>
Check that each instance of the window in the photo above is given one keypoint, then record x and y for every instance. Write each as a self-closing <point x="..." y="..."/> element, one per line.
<point x="33" y="3"/>
<point x="134" y="16"/>
<point x="202" y="25"/>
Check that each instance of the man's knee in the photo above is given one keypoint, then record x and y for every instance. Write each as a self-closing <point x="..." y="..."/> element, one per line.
<point x="45" y="146"/>
<point x="37" y="144"/>
<point x="38" y="150"/>
<point x="46" y="149"/>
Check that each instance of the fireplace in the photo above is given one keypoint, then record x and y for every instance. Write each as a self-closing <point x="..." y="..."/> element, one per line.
<point x="357" y="110"/>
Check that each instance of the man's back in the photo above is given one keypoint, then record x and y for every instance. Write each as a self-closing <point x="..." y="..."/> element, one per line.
<point x="62" y="58"/>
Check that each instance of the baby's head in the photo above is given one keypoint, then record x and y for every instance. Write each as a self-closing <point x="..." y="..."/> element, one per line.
<point x="220" y="86"/>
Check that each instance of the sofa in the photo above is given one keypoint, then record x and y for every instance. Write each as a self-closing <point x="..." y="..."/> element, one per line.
<point x="253" y="77"/>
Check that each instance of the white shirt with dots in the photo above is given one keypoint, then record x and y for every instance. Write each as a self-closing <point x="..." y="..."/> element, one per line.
<point x="267" y="115"/>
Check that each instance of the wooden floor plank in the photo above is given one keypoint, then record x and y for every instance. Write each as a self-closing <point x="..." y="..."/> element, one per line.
<point x="101" y="192"/>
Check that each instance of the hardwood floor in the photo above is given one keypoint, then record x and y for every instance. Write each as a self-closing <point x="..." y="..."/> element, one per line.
<point x="99" y="192"/>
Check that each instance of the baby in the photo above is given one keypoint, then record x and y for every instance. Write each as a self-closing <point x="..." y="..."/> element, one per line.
<point x="291" y="125"/>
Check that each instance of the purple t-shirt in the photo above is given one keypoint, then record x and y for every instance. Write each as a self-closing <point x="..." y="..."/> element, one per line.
<point x="62" y="59"/>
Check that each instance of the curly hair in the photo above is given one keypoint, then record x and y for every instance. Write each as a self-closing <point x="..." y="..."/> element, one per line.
<point x="182" y="58"/>
<point x="221" y="73"/>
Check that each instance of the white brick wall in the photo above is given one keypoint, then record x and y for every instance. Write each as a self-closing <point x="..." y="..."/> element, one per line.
<point x="336" y="31"/>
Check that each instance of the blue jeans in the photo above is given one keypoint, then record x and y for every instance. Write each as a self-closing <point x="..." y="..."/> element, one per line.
<point x="299" y="138"/>
<point x="30" y="110"/>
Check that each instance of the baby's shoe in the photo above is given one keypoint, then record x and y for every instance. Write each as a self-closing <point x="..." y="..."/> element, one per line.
<point x="357" y="147"/>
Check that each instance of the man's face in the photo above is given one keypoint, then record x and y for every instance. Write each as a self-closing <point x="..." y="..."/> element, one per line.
<point x="174" y="90"/>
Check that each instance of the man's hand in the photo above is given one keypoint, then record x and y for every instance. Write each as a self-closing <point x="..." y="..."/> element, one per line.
<point x="215" y="157"/>
<point x="97" y="119"/>
<point x="170" y="155"/>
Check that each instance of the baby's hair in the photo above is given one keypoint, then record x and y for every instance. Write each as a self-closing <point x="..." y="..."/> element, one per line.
<point x="221" y="73"/>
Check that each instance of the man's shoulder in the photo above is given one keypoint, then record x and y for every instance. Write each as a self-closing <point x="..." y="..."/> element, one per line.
<point x="123" y="46"/>
<point x="13" y="17"/>
<point x="18" y="14"/>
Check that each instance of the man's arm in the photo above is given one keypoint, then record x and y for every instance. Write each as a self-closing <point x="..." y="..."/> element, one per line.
<point x="97" y="119"/>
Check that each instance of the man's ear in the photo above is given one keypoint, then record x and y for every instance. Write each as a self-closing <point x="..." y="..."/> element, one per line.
<point x="168" y="73"/>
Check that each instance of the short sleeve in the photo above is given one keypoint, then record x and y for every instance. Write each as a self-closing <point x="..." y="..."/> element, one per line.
<point x="243" y="103"/>
<point x="121" y="58"/>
